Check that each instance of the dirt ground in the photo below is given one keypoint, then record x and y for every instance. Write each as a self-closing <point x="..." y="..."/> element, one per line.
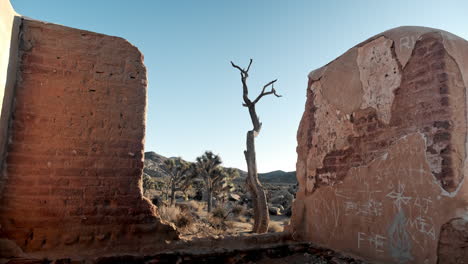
<point x="203" y="224"/>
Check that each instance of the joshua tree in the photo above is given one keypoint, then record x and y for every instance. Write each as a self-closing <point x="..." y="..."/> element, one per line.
<point x="148" y="183"/>
<point x="223" y="184"/>
<point x="261" y="216"/>
<point x="181" y="174"/>
<point x="215" y="177"/>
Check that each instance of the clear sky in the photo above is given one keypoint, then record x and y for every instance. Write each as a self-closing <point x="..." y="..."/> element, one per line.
<point x="195" y="95"/>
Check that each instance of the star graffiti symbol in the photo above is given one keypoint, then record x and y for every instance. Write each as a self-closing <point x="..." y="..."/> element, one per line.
<point x="398" y="196"/>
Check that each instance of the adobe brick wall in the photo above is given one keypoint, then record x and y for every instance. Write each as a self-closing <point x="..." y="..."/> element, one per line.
<point x="75" y="152"/>
<point x="382" y="150"/>
<point x="9" y="30"/>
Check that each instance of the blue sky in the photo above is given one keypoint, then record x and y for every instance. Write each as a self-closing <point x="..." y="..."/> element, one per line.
<point x="195" y="96"/>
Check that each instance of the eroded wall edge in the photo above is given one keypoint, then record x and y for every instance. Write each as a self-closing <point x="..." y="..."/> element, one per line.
<point x="9" y="31"/>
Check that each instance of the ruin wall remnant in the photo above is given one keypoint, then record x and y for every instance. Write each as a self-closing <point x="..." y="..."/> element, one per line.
<point x="382" y="150"/>
<point x="9" y="30"/>
<point x="72" y="172"/>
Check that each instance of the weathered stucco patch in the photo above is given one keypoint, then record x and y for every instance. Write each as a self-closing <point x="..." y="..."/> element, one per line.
<point x="405" y="38"/>
<point x="330" y="135"/>
<point x="380" y="76"/>
<point x="341" y="84"/>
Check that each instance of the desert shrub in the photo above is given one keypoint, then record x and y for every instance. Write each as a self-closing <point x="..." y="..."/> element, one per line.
<point x="195" y="206"/>
<point x="169" y="213"/>
<point x="238" y="210"/>
<point x="219" y="212"/>
<point x="176" y="216"/>
<point x="217" y="223"/>
<point x="183" y="207"/>
<point x="184" y="219"/>
<point x="274" y="227"/>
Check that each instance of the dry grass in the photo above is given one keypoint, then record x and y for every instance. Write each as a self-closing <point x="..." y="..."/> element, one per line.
<point x="184" y="219"/>
<point x="242" y="219"/>
<point x="219" y="212"/>
<point x="274" y="227"/>
<point x="220" y="223"/>
<point x="176" y="216"/>
<point x="195" y="206"/>
<point x="169" y="213"/>
<point x="238" y="210"/>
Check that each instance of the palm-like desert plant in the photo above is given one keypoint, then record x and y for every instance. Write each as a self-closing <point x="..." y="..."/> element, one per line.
<point x="181" y="174"/>
<point x="223" y="184"/>
<point x="208" y="167"/>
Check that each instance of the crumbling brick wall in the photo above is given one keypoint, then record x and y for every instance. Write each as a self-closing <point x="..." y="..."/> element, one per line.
<point x="9" y="30"/>
<point x="74" y="160"/>
<point x="382" y="149"/>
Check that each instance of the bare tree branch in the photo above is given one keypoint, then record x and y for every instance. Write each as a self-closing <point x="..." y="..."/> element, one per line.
<point x="244" y="76"/>
<point x="239" y="68"/>
<point x="263" y="93"/>
<point x="250" y="63"/>
<point x="242" y="70"/>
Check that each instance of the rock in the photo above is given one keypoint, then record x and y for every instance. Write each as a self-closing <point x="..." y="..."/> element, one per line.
<point x="273" y="210"/>
<point x="283" y="198"/>
<point x="234" y="197"/>
<point x="381" y="149"/>
<point x="277" y="199"/>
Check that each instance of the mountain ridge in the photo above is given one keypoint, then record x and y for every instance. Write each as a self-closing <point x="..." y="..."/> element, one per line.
<point x="153" y="167"/>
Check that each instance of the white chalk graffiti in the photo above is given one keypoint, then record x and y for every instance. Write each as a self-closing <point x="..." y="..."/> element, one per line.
<point x="367" y="209"/>
<point x="423" y="225"/>
<point x="398" y="196"/>
<point x="423" y="204"/>
<point x="374" y="241"/>
<point x="407" y="42"/>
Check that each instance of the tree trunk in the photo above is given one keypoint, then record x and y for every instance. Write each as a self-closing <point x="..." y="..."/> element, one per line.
<point x="261" y="215"/>
<point x="168" y="186"/>
<point x="209" y="199"/>
<point x="173" y="195"/>
<point x="259" y="201"/>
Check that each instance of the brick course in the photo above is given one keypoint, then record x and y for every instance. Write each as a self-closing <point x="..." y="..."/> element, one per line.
<point x="384" y="176"/>
<point x="75" y="157"/>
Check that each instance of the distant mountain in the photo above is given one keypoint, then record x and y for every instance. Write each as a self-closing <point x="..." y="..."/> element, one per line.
<point x="153" y="163"/>
<point x="278" y="176"/>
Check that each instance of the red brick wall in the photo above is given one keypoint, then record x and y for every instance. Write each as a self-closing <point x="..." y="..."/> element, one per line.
<point x="74" y="164"/>
<point x="389" y="190"/>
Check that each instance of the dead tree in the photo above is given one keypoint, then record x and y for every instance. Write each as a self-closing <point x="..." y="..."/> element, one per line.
<point x="261" y="215"/>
